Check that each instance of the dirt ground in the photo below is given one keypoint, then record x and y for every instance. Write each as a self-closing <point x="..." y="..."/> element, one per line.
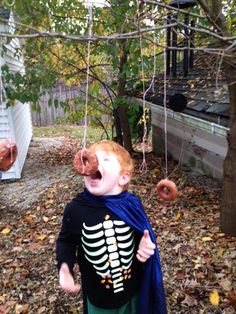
<point x="37" y="176"/>
<point x="198" y="260"/>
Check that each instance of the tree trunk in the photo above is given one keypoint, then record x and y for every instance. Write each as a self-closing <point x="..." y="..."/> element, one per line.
<point x="123" y="117"/>
<point x="228" y="200"/>
<point x="119" y="137"/>
<point x="228" y="197"/>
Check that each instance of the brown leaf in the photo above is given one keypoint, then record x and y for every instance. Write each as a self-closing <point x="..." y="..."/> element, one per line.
<point x="180" y="274"/>
<point x="21" y="308"/>
<point x="52" y="298"/>
<point x="226" y="284"/>
<point x="189" y="300"/>
<point x="4" y="309"/>
<point x="232" y="298"/>
<point x="42" y="310"/>
<point x="200" y="275"/>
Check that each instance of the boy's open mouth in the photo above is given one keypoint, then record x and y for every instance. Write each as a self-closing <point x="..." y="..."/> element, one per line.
<point x="97" y="175"/>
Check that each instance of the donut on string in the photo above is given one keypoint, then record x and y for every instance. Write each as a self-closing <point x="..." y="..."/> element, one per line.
<point x="8" y="154"/>
<point x="85" y="162"/>
<point x="166" y="189"/>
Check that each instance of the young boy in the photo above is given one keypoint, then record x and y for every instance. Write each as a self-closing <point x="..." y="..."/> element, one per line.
<point x="106" y="230"/>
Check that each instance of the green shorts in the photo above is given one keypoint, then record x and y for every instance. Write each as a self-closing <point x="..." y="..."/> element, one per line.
<point x="128" y="308"/>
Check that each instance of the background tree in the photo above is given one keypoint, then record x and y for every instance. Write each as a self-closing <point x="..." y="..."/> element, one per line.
<point x="49" y="58"/>
<point x="55" y="47"/>
<point x="222" y="16"/>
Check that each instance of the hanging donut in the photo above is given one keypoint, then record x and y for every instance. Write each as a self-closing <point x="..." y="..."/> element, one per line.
<point x="85" y="162"/>
<point x="167" y="190"/>
<point x="8" y="154"/>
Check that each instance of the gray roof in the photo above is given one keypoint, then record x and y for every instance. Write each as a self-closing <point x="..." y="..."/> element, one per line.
<point x="205" y="89"/>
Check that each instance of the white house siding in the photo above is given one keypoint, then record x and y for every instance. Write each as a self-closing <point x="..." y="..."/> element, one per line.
<point x="15" y="122"/>
<point x="198" y="143"/>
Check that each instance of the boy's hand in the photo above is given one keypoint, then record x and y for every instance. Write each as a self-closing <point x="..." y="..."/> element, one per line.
<point x="66" y="280"/>
<point x="146" y="247"/>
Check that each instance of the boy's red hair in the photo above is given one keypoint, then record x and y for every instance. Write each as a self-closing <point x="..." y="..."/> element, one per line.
<point x="123" y="156"/>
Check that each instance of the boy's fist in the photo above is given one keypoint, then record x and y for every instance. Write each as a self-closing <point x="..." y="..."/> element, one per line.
<point x="146" y="247"/>
<point x="66" y="280"/>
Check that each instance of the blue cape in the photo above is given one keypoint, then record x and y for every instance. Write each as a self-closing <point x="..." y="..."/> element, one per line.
<point x="129" y="208"/>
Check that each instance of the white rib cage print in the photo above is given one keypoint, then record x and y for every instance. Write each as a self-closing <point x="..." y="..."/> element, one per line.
<point x="109" y="247"/>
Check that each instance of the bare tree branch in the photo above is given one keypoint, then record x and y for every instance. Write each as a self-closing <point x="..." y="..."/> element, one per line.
<point x="211" y="18"/>
<point x="86" y="37"/>
<point x="201" y="30"/>
<point x="129" y="35"/>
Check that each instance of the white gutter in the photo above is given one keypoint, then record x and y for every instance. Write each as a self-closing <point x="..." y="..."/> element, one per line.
<point x="181" y="117"/>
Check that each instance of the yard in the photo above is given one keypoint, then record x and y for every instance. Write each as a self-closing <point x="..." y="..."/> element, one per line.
<point x="199" y="262"/>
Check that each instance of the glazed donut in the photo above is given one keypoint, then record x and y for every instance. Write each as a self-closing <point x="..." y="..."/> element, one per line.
<point x="8" y="154"/>
<point x="166" y="190"/>
<point x="85" y="162"/>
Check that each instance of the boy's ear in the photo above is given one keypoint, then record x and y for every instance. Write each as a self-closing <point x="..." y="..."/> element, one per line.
<point x="124" y="179"/>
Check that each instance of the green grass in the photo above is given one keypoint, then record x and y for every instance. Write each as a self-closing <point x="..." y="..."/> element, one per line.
<point x="74" y="131"/>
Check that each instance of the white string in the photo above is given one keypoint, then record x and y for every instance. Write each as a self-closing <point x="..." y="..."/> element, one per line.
<point x="143" y="166"/>
<point x="90" y="21"/>
<point x="217" y="91"/>
<point x="1" y="85"/>
<point x="164" y="104"/>
<point x="165" y="115"/>
<point x="1" y="92"/>
<point x="154" y="61"/>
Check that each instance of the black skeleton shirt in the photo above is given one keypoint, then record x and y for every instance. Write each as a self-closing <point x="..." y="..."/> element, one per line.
<point x="105" y="249"/>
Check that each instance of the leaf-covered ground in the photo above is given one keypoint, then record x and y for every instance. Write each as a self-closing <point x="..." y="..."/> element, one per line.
<point x="199" y="262"/>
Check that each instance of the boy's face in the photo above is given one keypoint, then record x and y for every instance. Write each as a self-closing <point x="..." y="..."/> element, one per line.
<point x="107" y="180"/>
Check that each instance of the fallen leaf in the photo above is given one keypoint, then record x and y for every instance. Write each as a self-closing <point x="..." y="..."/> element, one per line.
<point x="220" y="252"/>
<point x="11" y="303"/>
<point x="189" y="300"/>
<point x="226" y="284"/>
<point x="42" y="310"/>
<point x="177" y="217"/>
<point x="200" y="275"/>
<point x="232" y="298"/>
<point x="206" y="239"/>
<point x="2" y="298"/>
<point x="45" y="219"/>
<point x="181" y="274"/>
<point x="177" y="247"/>
<point x="29" y="217"/>
<point x="50" y="202"/>
<point x="3" y="309"/>
<point x="52" y="298"/>
<point x="6" y="231"/>
<point x="21" y="308"/>
<point x="17" y="249"/>
<point x="41" y="237"/>
<point x="214" y="297"/>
